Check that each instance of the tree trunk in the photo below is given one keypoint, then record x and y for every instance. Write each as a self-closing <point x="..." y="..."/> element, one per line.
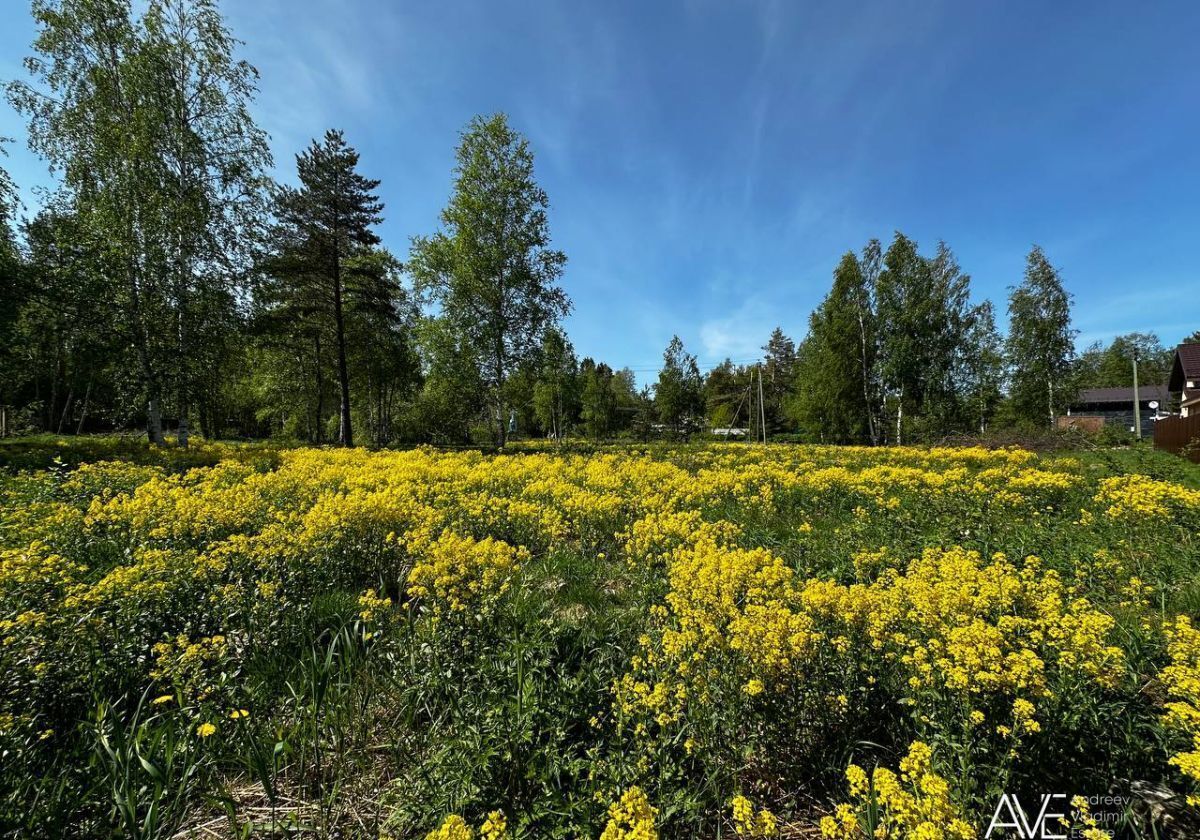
<point x="62" y="420"/>
<point x="154" y="432"/>
<point x="87" y="393"/>
<point x="862" y="332"/>
<point x="345" y="433"/>
<point x="318" y="428"/>
<point x="181" y="430"/>
<point x="501" y="413"/>
<point x="49" y="410"/>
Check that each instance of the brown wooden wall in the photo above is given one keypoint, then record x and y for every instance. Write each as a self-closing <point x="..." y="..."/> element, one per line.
<point x="1083" y="422"/>
<point x="1175" y="433"/>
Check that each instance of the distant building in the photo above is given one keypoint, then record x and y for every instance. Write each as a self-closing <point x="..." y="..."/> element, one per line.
<point x="1115" y="406"/>
<point x="1185" y="378"/>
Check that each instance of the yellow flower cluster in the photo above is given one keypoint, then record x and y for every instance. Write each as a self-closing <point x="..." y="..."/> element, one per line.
<point x="189" y="665"/>
<point x="454" y="827"/>
<point x="631" y="818"/>
<point x="817" y="582"/>
<point x="951" y="622"/>
<point x="917" y="803"/>
<point x="748" y="822"/>
<point x="371" y="607"/>
<point x="1182" y="681"/>
<point x="1136" y="498"/>
<point x="456" y="572"/>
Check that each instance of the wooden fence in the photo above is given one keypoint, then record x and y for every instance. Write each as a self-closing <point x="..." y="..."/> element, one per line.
<point x="1180" y="435"/>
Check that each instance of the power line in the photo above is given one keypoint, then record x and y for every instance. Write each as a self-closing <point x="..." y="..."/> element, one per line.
<point x="703" y="368"/>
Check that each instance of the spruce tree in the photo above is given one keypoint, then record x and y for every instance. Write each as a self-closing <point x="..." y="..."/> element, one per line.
<point x="830" y="402"/>
<point x="779" y="372"/>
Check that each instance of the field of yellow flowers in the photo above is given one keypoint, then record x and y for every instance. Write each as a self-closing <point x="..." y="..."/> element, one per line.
<point x="692" y="641"/>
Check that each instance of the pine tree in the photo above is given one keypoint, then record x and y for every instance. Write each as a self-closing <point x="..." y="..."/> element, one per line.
<point x="323" y="270"/>
<point x="1040" y="344"/>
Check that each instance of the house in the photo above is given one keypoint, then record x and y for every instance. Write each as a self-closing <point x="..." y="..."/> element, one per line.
<point x="1185" y="378"/>
<point x="1115" y="406"/>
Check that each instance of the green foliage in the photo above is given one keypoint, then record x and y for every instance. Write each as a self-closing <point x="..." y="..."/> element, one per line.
<point x="556" y="394"/>
<point x="922" y="316"/>
<point x="598" y="402"/>
<point x="323" y="277"/>
<point x="982" y="367"/>
<point x="147" y="119"/>
<point x="726" y="392"/>
<point x="778" y="375"/>
<point x="453" y="396"/>
<point x="832" y="389"/>
<point x="1111" y="366"/>
<point x="1040" y="343"/>
<point x="678" y="394"/>
<point x="491" y="271"/>
<point x="151" y="767"/>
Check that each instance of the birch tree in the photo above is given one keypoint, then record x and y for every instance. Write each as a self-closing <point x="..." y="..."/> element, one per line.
<point x="491" y="270"/>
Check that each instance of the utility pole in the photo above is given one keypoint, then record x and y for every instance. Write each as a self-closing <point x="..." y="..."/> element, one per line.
<point x="1137" y="407"/>
<point x="762" y="409"/>
<point x="751" y="424"/>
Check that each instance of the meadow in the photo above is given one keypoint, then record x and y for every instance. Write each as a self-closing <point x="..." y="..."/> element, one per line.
<point x="624" y="642"/>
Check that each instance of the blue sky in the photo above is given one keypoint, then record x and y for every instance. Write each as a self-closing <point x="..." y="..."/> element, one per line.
<point x="707" y="161"/>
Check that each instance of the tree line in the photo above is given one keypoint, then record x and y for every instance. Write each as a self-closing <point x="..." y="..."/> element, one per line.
<point x="168" y="281"/>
